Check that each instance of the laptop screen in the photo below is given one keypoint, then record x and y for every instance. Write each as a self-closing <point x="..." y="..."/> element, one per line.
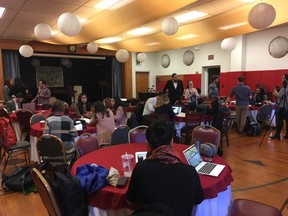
<point x="177" y="109"/>
<point x="192" y="155"/>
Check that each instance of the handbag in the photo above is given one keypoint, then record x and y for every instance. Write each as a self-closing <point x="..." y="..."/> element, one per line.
<point x="208" y="149"/>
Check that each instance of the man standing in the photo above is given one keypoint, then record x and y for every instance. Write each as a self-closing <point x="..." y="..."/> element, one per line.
<point x="15" y="103"/>
<point x="174" y="88"/>
<point x="213" y="92"/>
<point x="242" y="94"/>
<point x="43" y="93"/>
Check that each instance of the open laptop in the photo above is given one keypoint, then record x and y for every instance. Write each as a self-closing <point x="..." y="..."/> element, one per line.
<point x="194" y="158"/>
<point x="140" y="156"/>
<point x="177" y="109"/>
<point x="29" y="106"/>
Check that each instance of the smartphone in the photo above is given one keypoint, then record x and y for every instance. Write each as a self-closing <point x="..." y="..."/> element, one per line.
<point x="122" y="182"/>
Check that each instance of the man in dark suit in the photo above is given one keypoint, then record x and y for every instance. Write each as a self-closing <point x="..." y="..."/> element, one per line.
<point x="175" y="89"/>
<point x="15" y="103"/>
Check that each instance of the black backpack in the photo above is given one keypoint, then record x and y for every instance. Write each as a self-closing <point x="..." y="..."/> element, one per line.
<point x="70" y="196"/>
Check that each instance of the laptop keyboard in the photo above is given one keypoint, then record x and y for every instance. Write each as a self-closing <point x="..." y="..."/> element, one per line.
<point x="207" y="168"/>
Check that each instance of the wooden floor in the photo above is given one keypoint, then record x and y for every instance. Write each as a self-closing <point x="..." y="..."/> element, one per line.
<point x="260" y="173"/>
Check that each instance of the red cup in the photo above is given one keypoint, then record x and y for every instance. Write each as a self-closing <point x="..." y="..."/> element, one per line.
<point x="42" y="124"/>
<point x="40" y="106"/>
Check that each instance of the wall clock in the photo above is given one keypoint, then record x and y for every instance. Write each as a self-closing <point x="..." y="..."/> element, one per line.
<point x="188" y="58"/>
<point x="278" y="47"/>
<point x="165" y="61"/>
<point x="72" y="48"/>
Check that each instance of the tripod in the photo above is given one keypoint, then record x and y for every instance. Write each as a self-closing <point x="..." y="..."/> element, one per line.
<point x="283" y="98"/>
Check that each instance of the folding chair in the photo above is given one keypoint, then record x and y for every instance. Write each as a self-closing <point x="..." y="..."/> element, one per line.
<point x="120" y="135"/>
<point x="86" y="143"/>
<point x="23" y="117"/>
<point x="137" y="134"/>
<point x="206" y="133"/>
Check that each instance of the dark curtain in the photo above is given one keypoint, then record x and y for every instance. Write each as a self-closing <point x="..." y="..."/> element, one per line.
<point x="11" y="66"/>
<point x="117" y="86"/>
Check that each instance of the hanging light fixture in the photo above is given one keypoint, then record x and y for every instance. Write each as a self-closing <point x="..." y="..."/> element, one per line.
<point x="122" y="55"/>
<point x="170" y="26"/>
<point x="69" y="24"/>
<point x="261" y="16"/>
<point x="42" y="31"/>
<point x="228" y="44"/>
<point x="26" y="51"/>
<point x="141" y="57"/>
<point x="92" y="47"/>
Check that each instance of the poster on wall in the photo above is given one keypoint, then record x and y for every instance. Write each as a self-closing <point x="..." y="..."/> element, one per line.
<point x="52" y="75"/>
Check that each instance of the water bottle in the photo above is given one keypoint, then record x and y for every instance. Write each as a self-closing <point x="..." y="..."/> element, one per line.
<point x="197" y="142"/>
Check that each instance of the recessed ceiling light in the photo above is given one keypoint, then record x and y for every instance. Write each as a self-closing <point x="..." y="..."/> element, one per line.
<point x="109" y="40"/>
<point x="152" y="44"/>
<point x="232" y="26"/>
<point x="2" y="11"/>
<point x="112" y="4"/>
<point x="188" y="36"/>
<point x="249" y="0"/>
<point x="141" y="31"/>
<point x="188" y="16"/>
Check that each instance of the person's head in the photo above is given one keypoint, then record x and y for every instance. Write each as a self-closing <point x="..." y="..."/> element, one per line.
<point x="215" y="79"/>
<point x="159" y="133"/>
<point x="9" y="82"/>
<point x="19" y="97"/>
<point x="174" y="77"/>
<point x="41" y="83"/>
<point x="108" y="102"/>
<point x="190" y="84"/>
<point x="163" y="99"/>
<point x="240" y="79"/>
<point x="158" y="95"/>
<point x="82" y="98"/>
<point x="285" y="80"/>
<point x="99" y="107"/>
<point x="57" y="106"/>
<point x="18" y="81"/>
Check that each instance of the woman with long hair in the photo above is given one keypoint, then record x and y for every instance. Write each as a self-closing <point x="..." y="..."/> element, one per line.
<point x="191" y="95"/>
<point x="163" y="106"/>
<point x="18" y="87"/>
<point x="83" y="107"/>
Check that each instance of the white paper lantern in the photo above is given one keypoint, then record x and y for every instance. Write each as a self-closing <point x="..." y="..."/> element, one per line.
<point x="170" y="26"/>
<point x="42" y="31"/>
<point x="141" y="57"/>
<point x="228" y="44"/>
<point x="122" y="55"/>
<point x="35" y="62"/>
<point x="69" y="24"/>
<point x="92" y="47"/>
<point x="26" y="51"/>
<point x="261" y="16"/>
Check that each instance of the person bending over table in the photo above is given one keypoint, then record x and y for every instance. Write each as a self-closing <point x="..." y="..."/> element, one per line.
<point x="162" y="178"/>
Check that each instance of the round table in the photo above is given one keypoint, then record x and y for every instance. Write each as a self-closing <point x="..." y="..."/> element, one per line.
<point x="112" y="198"/>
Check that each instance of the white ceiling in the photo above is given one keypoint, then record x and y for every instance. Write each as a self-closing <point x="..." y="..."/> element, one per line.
<point x="23" y="15"/>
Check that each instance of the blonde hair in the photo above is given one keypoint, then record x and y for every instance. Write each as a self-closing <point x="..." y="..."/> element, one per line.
<point x="163" y="100"/>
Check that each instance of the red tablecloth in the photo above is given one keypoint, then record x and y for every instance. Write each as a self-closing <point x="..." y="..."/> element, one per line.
<point x="44" y="112"/>
<point x="130" y="108"/>
<point x="111" y="197"/>
<point x="37" y="131"/>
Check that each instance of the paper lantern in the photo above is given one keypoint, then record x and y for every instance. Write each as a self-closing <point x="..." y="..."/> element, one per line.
<point x="35" y="62"/>
<point x="122" y="55"/>
<point x="141" y="57"/>
<point x="92" y="47"/>
<point x="170" y="26"/>
<point x="42" y="31"/>
<point x="69" y="24"/>
<point x="26" y="51"/>
<point x="278" y="47"/>
<point x="228" y="44"/>
<point x="261" y="16"/>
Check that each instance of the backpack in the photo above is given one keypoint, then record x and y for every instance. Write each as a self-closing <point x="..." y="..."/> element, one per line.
<point x="7" y="132"/>
<point x="69" y="193"/>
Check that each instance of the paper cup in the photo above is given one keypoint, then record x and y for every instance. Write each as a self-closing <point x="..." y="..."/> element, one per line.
<point x="128" y="164"/>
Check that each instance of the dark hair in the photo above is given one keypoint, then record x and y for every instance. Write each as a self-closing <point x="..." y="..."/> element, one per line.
<point x="215" y="77"/>
<point x="173" y="74"/>
<point x="159" y="133"/>
<point x="57" y="106"/>
<point x="241" y="79"/>
<point x="285" y="81"/>
<point x="100" y="108"/>
<point x="80" y="104"/>
<point x="117" y="103"/>
<point x="188" y="83"/>
<point x="43" y="81"/>
<point x="19" y="95"/>
<point x="8" y="83"/>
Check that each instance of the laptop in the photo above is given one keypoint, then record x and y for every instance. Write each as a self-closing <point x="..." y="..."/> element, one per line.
<point x="177" y="109"/>
<point x="140" y="156"/>
<point x="29" y="106"/>
<point x="194" y="159"/>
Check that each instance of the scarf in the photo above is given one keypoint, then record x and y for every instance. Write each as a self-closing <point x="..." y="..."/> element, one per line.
<point x="165" y="154"/>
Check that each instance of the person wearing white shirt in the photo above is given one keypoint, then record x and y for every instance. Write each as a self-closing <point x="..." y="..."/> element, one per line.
<point x="150" y="104"/>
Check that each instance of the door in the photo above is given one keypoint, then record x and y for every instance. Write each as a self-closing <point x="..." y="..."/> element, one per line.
<point x="142" y="82"/>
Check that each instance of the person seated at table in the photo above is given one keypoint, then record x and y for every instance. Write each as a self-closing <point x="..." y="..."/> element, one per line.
<point x="260" y="96"/>
<point x="61" y="125"/>
<point x="108" y="103"/>
<point x="43" y="94"/>
<point x="14" y="103"/>
<point x="83" y="107"/>
<point x="191" y="94"/>
<point x="162" y="177"/>
<point x="104" y="119"/>
<point x="118" y="111"/>
<point x="163" y="106"/>
<point x="149" y="108"/>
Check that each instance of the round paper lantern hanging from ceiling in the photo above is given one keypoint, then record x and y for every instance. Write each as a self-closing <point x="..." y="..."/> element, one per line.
<point x="228" y="44"/>
<point x="278" y="47"/>
<point x="26" y="51"/>
<point x="92" y="47"/>
<point x="122" y="55"/>
<point x="261" y="16"/>
<point x="69" y="24"/>
<point x="170" y="26"/>
<point x="42" y="31"/>
<point x="141" y="57"/>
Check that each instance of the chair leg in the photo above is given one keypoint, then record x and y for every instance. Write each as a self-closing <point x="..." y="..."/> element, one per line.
<point x="227" y="138"/>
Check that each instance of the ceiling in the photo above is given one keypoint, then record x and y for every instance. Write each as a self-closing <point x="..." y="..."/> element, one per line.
<point x="23" y="15"/>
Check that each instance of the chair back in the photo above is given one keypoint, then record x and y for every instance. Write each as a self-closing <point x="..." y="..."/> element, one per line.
<point x="86" y="143"/>
<point x="4" y="113"/>
<point x="46" y="193"/>
<point x="206" y="133"/>
<point x="264" y="113"/>
<point x="23" y="117"/>
<point x="193" y="118"/>
<point x="137" y="134"/>
<point x="120" y="135"/>
<point x="36" y="118"/>
<point x="51" y="149"/>
<point x="244" y="207"/>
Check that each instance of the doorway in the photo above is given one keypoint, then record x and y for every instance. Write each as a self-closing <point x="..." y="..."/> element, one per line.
<point x="142" y="82"/>
<point x="207" y="74"/>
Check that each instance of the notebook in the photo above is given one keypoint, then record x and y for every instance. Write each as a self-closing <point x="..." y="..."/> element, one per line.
<point x="177" y="109"/>
<point x="29" y="106"/>
<point x="194" y="158"/>
<point x="140" y="156"/>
